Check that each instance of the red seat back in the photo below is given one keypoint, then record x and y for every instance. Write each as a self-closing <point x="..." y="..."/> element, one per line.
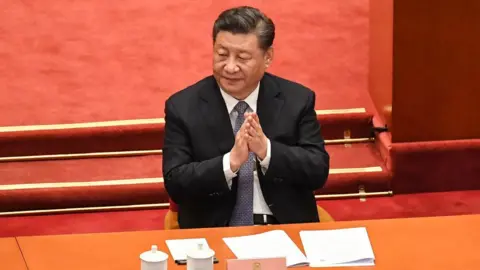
<point x="173" y="206"/>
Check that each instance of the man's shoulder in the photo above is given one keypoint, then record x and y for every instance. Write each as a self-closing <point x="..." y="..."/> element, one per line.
<point x="192" y="91"/>
<point x="288" y="87"/>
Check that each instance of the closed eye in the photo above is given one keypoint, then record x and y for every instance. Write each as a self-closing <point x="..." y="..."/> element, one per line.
<point x="245" y="57"/>
<point x="222" y="52"/>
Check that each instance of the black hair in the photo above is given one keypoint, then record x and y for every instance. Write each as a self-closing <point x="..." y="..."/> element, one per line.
<point x="246" y="20"/>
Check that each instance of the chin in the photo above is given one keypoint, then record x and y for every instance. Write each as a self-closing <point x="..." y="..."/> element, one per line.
<point x="233" y="91"/>
<point x="232" y="87"/>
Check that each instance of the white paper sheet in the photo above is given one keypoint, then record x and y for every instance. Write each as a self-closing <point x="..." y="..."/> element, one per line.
<point x="272" y="244"/>
<point x="341" y="247"/>
<point x="179" y="247"/>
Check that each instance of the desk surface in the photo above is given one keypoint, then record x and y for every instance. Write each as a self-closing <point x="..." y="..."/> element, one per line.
<point x="10" y="255"/>
<point x="417" y="243"/>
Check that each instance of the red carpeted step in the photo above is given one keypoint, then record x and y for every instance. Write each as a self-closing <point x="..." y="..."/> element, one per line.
<point x="142" y="134"/>
<point x="96" y="222"/>
<point x="137" y="180"/>
<point x="398" y="206"/>
<point x="432" y="166"/>
<point x="81" y="183"/>
<point x="356" y="165"/>
<point x="81" y="170"/>
<point x="405" y="205"/>
<point x="345" y="125"/>
<point x="436" y="166"/>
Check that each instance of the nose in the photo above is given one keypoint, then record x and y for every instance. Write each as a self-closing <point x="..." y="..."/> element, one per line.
<point x="231" y="66"/>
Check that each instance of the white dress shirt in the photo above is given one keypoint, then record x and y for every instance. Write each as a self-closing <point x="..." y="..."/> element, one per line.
<point x="259" y="204"/>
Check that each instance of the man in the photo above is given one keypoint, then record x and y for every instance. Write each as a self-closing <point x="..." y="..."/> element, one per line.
<point x="243" y="146"/>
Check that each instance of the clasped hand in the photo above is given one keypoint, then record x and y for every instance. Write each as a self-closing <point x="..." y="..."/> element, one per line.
<point x="250" y="138"/>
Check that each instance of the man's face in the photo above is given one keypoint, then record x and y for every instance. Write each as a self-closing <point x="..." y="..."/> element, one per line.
<point x="239" y="63"/>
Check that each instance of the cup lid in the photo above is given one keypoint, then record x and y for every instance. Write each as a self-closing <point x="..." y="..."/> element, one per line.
<point x="154" y="255"/>
<point x="201" y="252"/>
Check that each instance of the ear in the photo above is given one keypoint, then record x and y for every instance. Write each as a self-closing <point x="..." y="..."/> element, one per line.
<point x="268" y="57"/>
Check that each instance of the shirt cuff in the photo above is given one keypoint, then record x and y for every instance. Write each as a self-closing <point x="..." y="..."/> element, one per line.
<point x="266" y="161"/>
<point x="229" y="175"/>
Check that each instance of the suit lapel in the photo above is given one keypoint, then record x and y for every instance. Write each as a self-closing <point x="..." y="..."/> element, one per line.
<point x="215" y="114"/>
<point x="269" y="104"/>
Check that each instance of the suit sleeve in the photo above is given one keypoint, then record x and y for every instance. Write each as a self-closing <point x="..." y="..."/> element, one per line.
<point x="184" y="178"/>
<point x="307" y="163"/>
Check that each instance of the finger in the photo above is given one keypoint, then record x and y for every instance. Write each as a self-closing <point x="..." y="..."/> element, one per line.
<point x="255" y="116"/>
<point x="239" y="138"/>
<point x="256" y="125"/>
<point x="248" y="118"/>
<point x="252" y="132"/>
<point x="243" y="130"/>
<point x="257" y="120"/>
<point x="244" y="126"/>
<point x="246" y="136"/>
<point x="242" y="140"/>
<point x="248" y="126"/>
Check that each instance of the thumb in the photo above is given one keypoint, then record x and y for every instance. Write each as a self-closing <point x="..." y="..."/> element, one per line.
<point x="242" y="139"/>
<point x="255" y="116"/>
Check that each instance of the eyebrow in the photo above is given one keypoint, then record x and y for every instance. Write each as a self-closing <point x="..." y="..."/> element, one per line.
<point x="220" y="46"/>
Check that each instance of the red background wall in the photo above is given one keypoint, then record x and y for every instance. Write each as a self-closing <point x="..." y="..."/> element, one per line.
<point x="70" y="61"/>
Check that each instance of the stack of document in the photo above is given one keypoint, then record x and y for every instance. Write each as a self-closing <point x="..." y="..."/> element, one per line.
<point x="323" y="248"/>
<point x="272" y="244"/>
<point x="341" y="247"/>
<point x="179" y="247"/>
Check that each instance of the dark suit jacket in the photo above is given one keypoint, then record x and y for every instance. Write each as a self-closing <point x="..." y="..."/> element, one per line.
<point x="198" y="133"/>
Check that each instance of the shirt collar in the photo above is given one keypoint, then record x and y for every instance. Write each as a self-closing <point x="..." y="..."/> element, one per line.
<point x="251" y="100"/>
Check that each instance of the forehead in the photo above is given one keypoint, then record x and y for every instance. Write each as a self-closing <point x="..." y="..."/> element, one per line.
<point x="238" y="42"/>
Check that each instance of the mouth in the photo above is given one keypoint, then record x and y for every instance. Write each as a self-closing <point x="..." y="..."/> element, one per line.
<point x="232" y="79"/>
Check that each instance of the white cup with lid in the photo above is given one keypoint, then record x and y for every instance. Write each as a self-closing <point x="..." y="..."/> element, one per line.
<point x="154" y="259"/>
<point x="200" y="258"/>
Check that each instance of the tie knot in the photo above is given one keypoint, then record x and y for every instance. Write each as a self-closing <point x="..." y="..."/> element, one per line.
<point x="241" y="107"/>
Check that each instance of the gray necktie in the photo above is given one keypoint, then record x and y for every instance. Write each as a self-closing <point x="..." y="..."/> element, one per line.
<point x="243" y="211"/>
